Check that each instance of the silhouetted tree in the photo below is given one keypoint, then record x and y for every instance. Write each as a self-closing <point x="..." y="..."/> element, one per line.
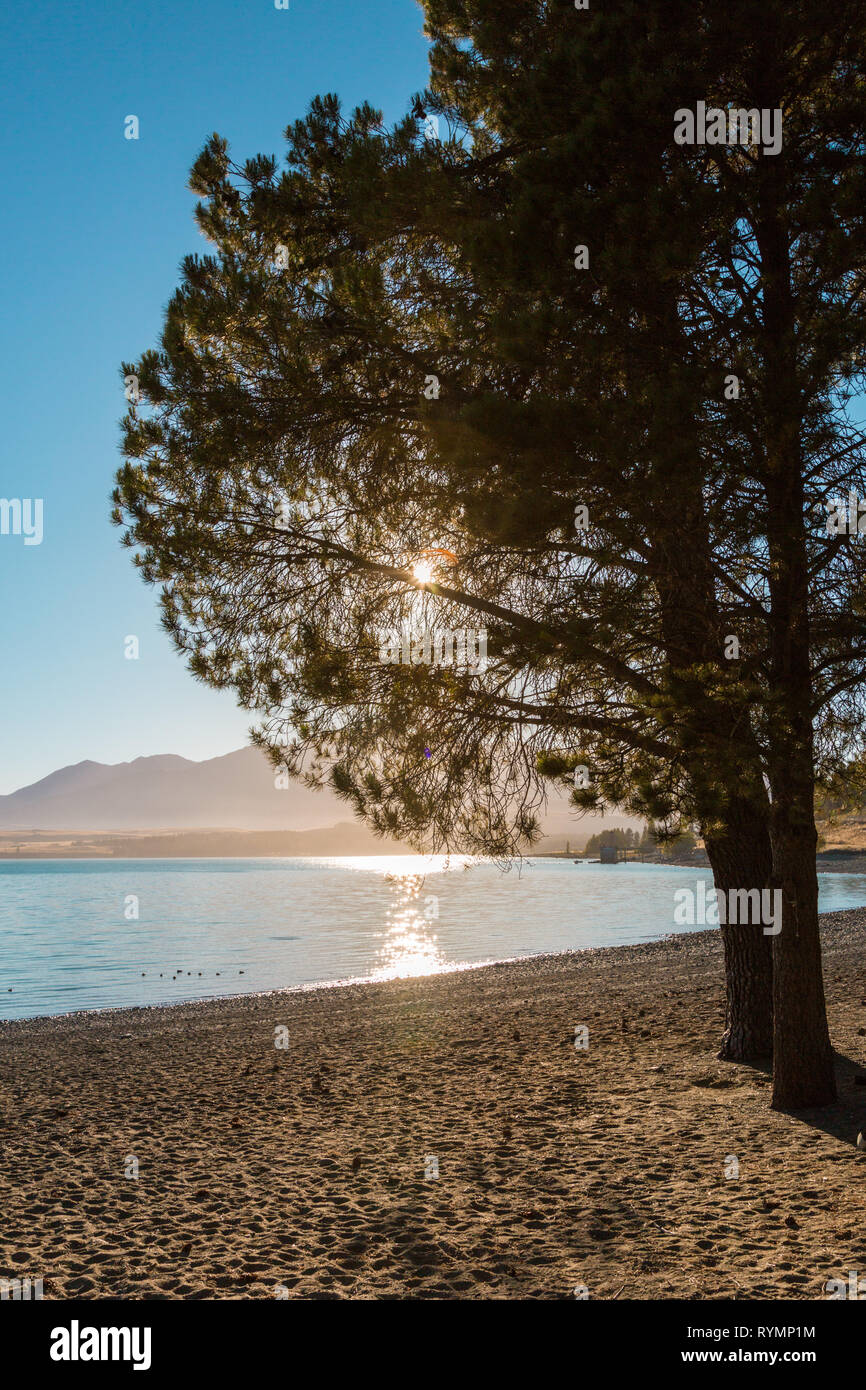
<point x="395" y="351"/>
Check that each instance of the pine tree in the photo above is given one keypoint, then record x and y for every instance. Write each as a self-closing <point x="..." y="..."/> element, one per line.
<point x="771" y="303"/>
<point x="397" y="354"/>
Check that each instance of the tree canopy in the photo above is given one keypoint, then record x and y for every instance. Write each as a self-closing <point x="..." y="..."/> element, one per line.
<point x="554" y="378"/>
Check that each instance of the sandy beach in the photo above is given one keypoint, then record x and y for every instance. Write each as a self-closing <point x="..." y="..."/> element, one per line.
<point x="300" y="1172"/>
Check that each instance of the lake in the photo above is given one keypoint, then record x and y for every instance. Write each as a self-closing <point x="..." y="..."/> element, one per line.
<point x="96" y="934"/>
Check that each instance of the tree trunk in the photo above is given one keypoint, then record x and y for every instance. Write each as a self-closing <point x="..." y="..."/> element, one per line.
<point x="720" y="749"/>
<point x="721" y="746"/>
<point x="802" y="1056"/>
<point x="741" y="858"/>
<point x="803" y="1072"/>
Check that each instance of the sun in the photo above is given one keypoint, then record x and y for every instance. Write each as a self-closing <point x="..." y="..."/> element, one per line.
<point x="429" y="562"/>
<point x="423" y="571"/>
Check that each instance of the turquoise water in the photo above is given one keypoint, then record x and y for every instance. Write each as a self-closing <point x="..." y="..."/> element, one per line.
<point x="71" y="938"/>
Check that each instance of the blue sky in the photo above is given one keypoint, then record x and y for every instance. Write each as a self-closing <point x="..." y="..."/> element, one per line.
<point x="93" y="231"/>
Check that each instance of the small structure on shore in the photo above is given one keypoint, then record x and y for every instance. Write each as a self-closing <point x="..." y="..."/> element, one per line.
<point x="608" y="854"/>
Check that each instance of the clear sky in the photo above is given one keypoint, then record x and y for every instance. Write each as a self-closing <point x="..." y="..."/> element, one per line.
<point x="94" y="227"/>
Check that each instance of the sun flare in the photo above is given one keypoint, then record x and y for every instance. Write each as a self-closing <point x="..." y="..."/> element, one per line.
<point x="423" y="571"/>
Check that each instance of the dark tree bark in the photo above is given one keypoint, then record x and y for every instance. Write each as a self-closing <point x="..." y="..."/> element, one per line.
<point x="720" y="746"/>
<point x="742" y="858"/>
<point x="803" y="1074"/>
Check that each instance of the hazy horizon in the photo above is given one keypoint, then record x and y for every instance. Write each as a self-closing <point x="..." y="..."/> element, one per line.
<point x="233" y="792"/>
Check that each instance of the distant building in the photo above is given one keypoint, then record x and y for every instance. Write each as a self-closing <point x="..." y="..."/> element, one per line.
<point x="608" y="854"/>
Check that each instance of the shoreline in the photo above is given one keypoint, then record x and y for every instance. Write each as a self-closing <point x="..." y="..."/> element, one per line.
<point x="302" y="1170"/>
<point x="703" y="935"/>
<point x="828" y="861"/>
<point x="352" y="982"/>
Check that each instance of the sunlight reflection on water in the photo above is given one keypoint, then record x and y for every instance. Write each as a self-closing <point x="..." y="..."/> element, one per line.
<point x="206" y="928"/>
<point x="410" y="945"/>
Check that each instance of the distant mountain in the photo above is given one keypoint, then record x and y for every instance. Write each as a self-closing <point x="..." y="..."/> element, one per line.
<point x="233" y="792"/>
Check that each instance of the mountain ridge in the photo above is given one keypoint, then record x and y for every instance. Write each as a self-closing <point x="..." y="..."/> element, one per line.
<point x="233" y="792"/>
<point x="167" y="791"/>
